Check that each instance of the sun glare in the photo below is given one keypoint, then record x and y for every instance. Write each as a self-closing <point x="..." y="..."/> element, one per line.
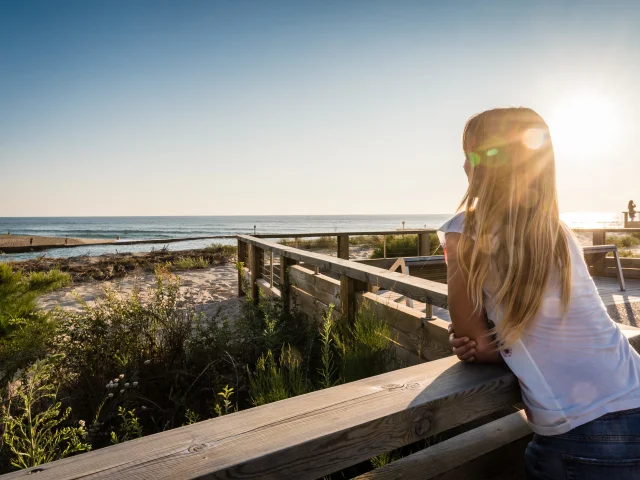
<point x="584" y="125"/>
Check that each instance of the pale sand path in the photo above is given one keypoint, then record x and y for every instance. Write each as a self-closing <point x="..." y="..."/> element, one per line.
<point x="210" y="289"/>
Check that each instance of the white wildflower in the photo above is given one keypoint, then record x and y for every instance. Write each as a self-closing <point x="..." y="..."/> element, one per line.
<point x="116" y="380"/>
<point x="144" y="407"/>
<point x="126" y="384"/>
<point x="81" y="423"/>
<point x="147" y="362"/>
<point x="121" y="376"/>
<point x="122" y="391"/>
<point x="135" y="384"/>
<point x="110" y="395"/>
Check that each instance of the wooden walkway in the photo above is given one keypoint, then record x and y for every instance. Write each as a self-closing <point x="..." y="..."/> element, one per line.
<point x="607" y="288"/>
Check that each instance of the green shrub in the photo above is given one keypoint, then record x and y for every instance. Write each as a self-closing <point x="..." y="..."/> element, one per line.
<point x="367" y="240"/>
<point x="18" y="293"/>
<point x="189" y="263"/>
<point x="406" y="246"/>
<point x="173" y="356"/>
<point x="625" y="254"/>
<point x="328" y="370"/>
<point x="321" y="243"/>
<point x="623" y="241"/>
<point x="272" y="381"/>
<point x="34" y="422"/>
<point x="364" y="347"/>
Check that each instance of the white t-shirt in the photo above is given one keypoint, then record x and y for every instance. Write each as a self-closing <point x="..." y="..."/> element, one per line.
<point x="574" y="369"/>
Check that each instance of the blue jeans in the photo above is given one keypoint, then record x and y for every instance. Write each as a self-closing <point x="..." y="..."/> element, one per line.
<point x="607" y="448"/>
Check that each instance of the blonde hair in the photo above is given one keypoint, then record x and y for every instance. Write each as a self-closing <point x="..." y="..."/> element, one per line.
<point x="511" y="209"/>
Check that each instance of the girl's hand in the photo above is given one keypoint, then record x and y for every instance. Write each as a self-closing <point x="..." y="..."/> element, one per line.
<point x="464" y="348"/>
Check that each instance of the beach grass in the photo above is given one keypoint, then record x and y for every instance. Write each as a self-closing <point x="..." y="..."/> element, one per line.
<point x="112" y="266"/>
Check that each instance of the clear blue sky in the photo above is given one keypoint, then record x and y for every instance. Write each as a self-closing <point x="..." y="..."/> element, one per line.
<point x="302" y="107"/>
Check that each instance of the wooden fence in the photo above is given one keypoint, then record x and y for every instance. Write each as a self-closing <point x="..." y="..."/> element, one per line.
<point x="313" y="435"/>
<point x="606" y="267"/>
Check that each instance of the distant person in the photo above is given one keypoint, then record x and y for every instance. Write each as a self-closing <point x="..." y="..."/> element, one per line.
<point x="632" y="210"/>
<point x="520" y="293"/>
<point x="66" y="241"/>
<point x="31" y="241"/>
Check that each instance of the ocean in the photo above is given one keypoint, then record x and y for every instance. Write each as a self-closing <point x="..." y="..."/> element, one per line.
<point x="139" y="228"/>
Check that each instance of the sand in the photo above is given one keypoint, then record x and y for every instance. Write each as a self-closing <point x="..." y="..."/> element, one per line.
<point x="24" y="241"/>
<point x="210" y="289"/>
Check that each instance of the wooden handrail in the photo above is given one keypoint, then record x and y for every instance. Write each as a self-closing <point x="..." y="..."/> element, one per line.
<point x="417" y="288"/>
<point x="308" y="436"/>
<point x="351" y="234"/>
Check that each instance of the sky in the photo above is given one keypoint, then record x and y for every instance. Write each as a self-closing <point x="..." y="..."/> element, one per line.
<point x="303" y="107"/>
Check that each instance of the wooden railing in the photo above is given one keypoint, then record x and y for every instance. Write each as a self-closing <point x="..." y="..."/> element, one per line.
<point x="343" y="239"/>
<point x="600" y="266"/>
<point x="316" y="434"/>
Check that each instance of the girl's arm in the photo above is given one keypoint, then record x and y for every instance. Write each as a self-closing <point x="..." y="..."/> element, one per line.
<point x="467" y="322"/>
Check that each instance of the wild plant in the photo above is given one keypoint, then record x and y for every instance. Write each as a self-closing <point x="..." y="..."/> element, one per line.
<point x="35" y="425"/>
<point x="225" y="406"/>
<point x="329" y="370"/>
<point x="129" y="427"/>
<point x="276" y="380"/>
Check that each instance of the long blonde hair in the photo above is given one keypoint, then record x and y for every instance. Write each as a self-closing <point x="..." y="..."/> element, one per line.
<point x="512" y="232"/>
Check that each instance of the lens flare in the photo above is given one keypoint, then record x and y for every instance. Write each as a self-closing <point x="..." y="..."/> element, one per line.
<point x="533" y="138"/>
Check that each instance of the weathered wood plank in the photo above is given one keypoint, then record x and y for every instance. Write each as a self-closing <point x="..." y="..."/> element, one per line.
<point x="598" y="262"/>
<point x="242" y="258"/>
<point x="465" y="456"/>
<point x="310" y="306"/>
<point x="343" y="246"/>
<point x="431" y="336"/>
<point x="333" y="234"/>
<point x="349" y="288"/>
<point x="285" y="268"/>
<point x="267" y="289"/>
<point x="325" y="289"/>
<point x="257" y="255"/>
<point x="416" y="288"/>
<point x="424" y="245"/>
<point x="308" y="436"/>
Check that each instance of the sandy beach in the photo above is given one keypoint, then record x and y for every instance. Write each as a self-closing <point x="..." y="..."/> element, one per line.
<point x="211" y="290"/>
<point x="24" y="241"/>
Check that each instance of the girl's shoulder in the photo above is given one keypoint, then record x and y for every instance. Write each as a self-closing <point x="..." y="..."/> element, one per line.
<point x="454" y="225"/>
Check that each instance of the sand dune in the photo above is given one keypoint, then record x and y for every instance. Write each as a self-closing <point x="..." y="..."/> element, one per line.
<point x="210" y="289"/>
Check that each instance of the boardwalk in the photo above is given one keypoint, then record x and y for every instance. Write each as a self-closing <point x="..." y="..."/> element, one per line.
<point x="622" y="306"/>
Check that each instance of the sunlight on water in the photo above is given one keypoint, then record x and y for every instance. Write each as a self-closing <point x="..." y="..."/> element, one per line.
<point x="593" y="219"/>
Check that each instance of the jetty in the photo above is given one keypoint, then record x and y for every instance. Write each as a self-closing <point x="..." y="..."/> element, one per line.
<point x="476" y="408"/>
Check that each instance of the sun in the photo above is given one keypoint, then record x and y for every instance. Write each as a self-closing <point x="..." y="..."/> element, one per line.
<point x="584" y="125"/>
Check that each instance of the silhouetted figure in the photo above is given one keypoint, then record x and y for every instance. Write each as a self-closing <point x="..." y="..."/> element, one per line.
<point x="31" y="241"/>
<point x="66" y="241"/>
<point x="632" y="210"/>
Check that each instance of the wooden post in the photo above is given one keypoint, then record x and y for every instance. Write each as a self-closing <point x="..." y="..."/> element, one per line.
<point x="424" y="245"/>
<point x="348" y="289"/>
<point x="599" y="238"/>
<point x="257" y="261"/>
<point x="343" y="247"/>
<point x="285" y="263"/>
<point x="271" y="269"/>
<point x="242" y="258"/>
<point x="429" y="312"/>
<point x="384" y="246"/>
<point x="626" y="219"/>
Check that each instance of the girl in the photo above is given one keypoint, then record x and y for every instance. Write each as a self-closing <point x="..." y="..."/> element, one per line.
<point x="520" y="292"/>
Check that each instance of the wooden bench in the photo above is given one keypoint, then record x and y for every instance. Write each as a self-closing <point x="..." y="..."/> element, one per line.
<point x="602" y="251"/>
